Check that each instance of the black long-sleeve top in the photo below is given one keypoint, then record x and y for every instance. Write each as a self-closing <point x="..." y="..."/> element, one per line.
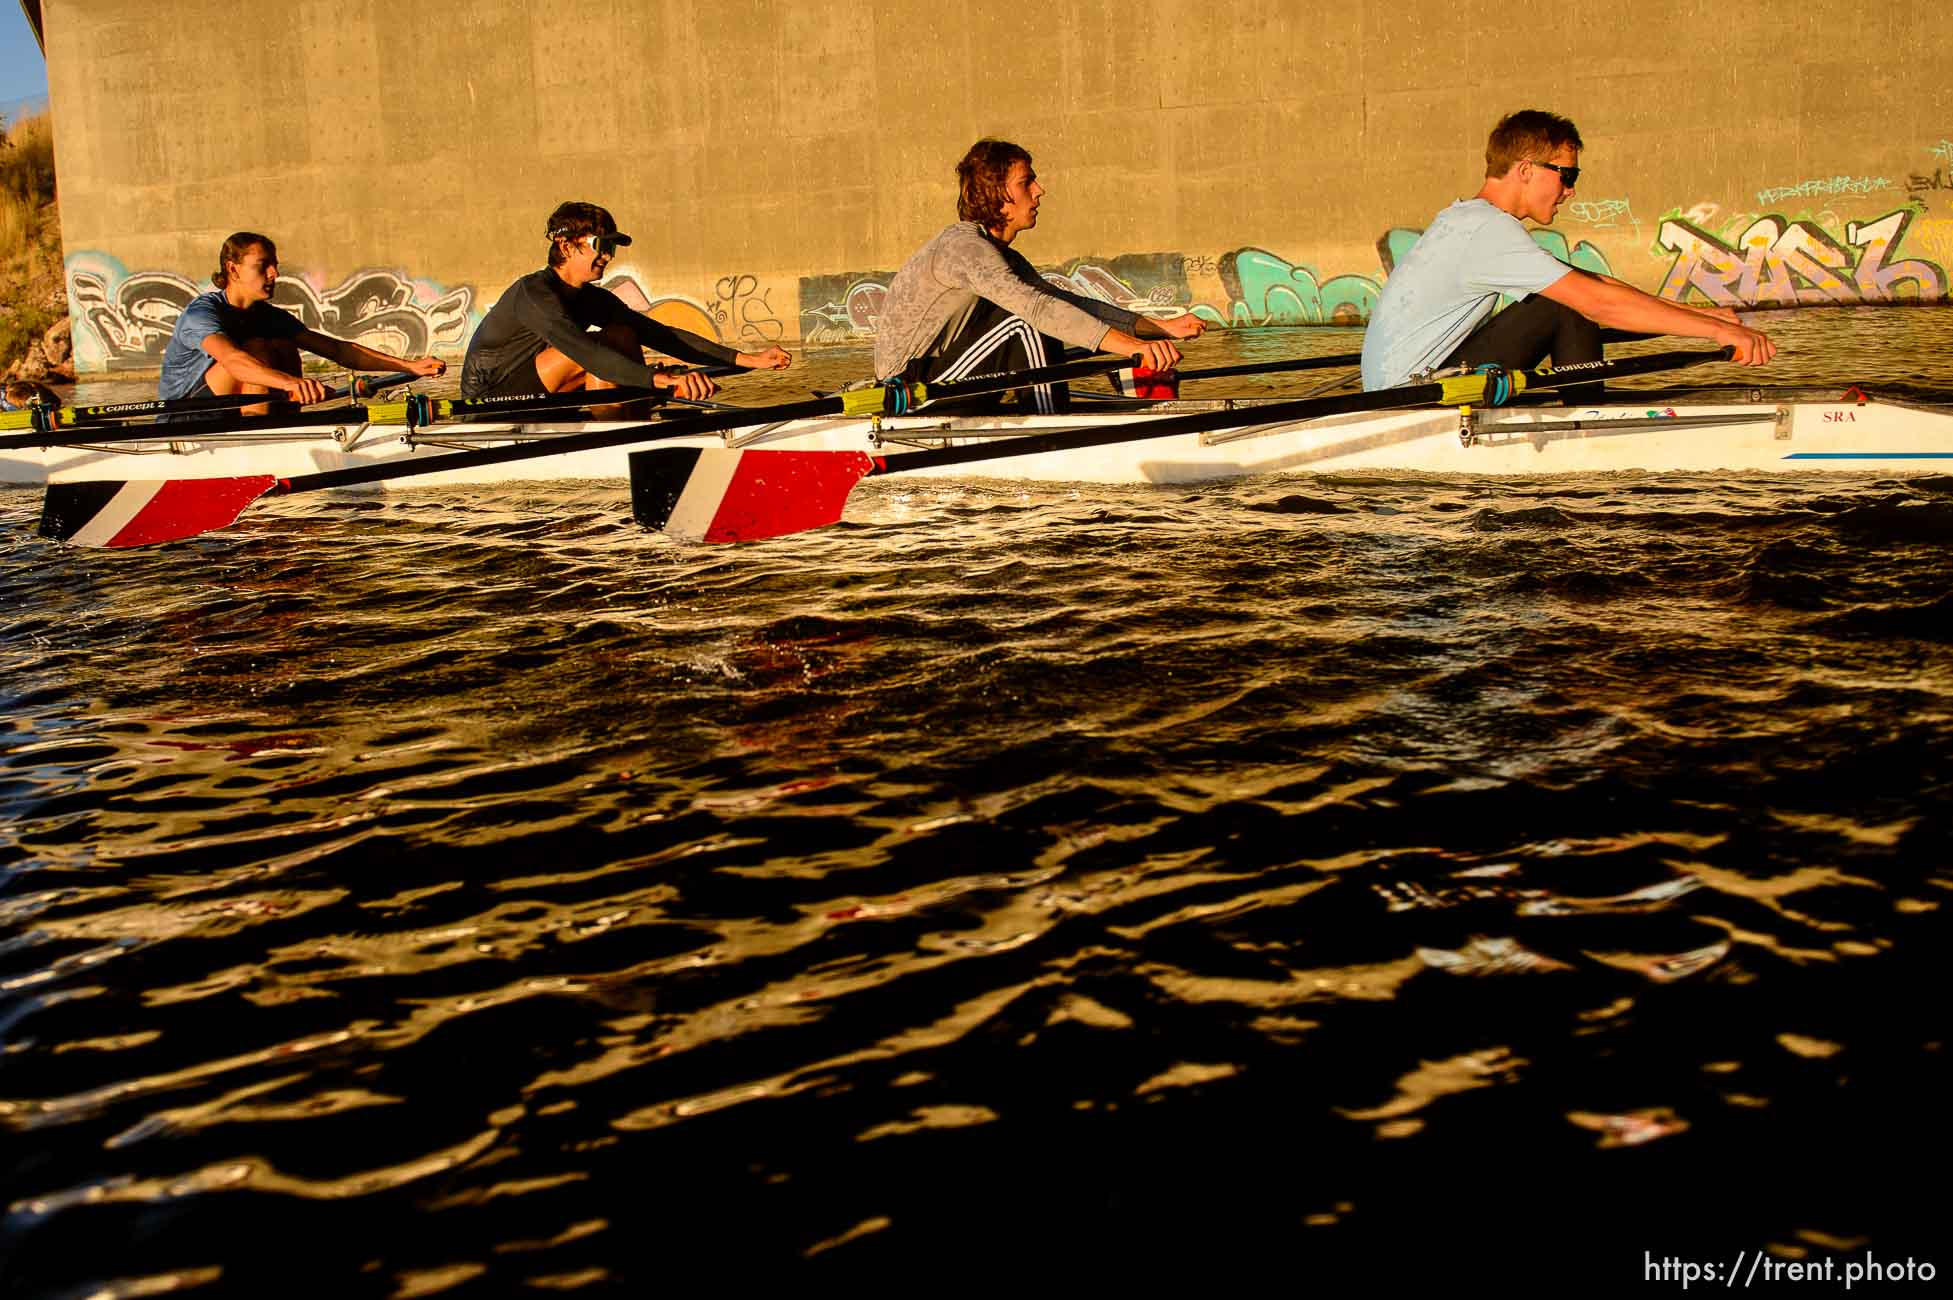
<point x="541" y="311"/>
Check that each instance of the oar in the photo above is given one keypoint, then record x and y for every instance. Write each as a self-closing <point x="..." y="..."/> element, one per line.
<point x="1272" y="367"/>
<point x="416" y="410"/>
<point x="422" y="409"/>
<point x="362" y="386"/>
<point x="1164" y="385"/>
<point x="1138" y="382"/>
<point x="730" y="495"/>
<point x="147" y="512"/>
<point x="82" y="426"/>
<point x="95" y="435"/>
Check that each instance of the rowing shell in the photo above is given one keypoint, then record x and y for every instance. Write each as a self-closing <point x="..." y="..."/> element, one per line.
<point x="1791" y="435"/>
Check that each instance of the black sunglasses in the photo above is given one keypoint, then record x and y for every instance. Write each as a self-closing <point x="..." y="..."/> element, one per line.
<point x="602" y="245"/>
<point x="1569" y="176"/>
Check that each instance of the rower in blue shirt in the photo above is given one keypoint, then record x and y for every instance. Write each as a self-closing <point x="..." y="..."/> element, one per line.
<point x="232" y="340"/>
<point x="1436" y="309"/>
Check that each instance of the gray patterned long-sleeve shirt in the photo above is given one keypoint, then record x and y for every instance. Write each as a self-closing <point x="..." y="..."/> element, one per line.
<point x="935" y="291"/>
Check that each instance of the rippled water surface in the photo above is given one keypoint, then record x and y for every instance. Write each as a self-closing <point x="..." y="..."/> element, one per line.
<point x="463" y="891"/>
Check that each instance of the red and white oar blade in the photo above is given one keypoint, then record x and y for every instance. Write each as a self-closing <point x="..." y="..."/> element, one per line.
<point x="146" y="512"/>
<point x="715" y="494"/>
<point x="1142" y="381"/>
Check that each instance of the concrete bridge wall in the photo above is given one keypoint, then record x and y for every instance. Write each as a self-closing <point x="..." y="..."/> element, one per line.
<point x="1256" y="161"/>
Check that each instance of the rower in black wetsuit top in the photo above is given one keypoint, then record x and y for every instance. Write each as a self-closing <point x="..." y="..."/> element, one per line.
<point x="556" y="330"/>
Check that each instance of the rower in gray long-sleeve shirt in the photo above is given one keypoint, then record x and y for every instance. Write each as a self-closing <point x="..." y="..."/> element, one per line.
<point x="556" y="330"/>
<point x="968" y="304"/>
<point x="936" y="292"/>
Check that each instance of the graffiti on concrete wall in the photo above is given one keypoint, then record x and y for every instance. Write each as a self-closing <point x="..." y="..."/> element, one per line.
<point x="842" y="308"/>
<point x="1823" y="186"/>
<point x="1704" y="253"/>
<point x="1615" y="214"/>
<point x="1584" y="255"/>
<point x="123" y="319"/>
<point x="1786" y="262"/>
<point x="1264" y="288"/>
<point x="382" y="310"/>
<point x="1918" y="183"/>
<point x="675" y="310"/>
<point x="743" y="313"/>
<point x="1147" y="284"/>
<point x="1931" y="238"/>
<point x="1261" y="287"/>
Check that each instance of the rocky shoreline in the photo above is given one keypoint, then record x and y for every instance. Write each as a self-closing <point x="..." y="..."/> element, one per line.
<point x="49" y="359"/>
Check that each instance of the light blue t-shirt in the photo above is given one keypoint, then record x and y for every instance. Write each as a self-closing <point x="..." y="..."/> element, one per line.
<point x="1447" y="285"/>
<point x="184" y="360"/>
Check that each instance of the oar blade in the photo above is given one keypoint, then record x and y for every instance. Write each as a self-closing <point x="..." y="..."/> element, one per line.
<point x="146" y="512"/>
<point x="716" y="494"/>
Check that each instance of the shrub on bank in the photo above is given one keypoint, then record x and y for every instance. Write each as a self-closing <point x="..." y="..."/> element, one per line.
<point x="20" y="329"/>
<point x="27" y="161"/>
<point x="32" y="300"/>
<point x="19" y="221"/>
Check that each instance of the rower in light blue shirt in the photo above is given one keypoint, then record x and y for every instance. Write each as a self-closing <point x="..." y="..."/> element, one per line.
<point x="1446" y="287"/>
<point x="1437" y="308"/>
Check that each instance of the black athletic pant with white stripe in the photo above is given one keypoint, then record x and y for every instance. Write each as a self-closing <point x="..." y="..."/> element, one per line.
<point x="1526" y="333"/>
<point x="991" y="341"/>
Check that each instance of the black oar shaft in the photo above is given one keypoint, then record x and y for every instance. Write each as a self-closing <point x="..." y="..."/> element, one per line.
<point x="95" y="425"/>
<point x="518" y="403"/>
<point x="129" y="410"/>
<point x="976" y="384"/>
<point x="1343" y="359"/>
<point x="1274" y="367"/>
<point x="361" y="386"/>
<point x="561" y="445"/>
<point x="160" y="431"/>
<point x="90" y="435"/>
<point x="860" y="402"/>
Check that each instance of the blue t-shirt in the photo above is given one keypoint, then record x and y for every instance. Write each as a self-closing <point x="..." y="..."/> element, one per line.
<point x="184" y="360"/>
<point x="1447" y="285"/>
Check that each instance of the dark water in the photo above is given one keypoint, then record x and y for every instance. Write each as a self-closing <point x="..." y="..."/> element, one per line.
<point x="1381" y="878"/>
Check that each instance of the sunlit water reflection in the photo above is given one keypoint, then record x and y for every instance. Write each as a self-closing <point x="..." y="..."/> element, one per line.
<point x="464" y="890"/>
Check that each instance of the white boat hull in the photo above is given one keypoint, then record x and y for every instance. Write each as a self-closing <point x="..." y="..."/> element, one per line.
<point x="1886" y="437"/>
